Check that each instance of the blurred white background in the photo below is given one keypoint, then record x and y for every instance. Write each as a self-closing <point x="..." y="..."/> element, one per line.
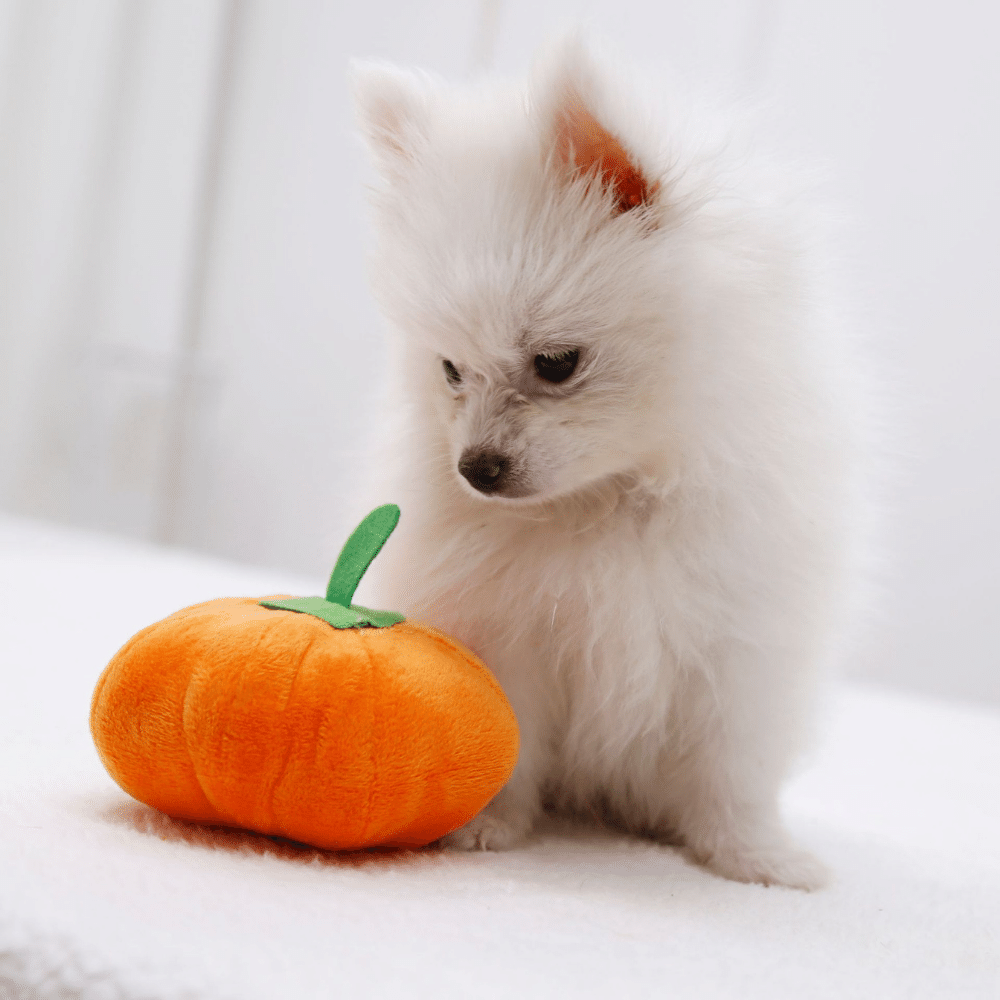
<point x="188" y="351"/>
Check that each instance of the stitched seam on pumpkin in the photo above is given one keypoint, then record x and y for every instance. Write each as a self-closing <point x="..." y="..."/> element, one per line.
<point x="187" y="740"/>
<point x="187" y="743"/>
<point x="288" y="751"/>
<point x="366" y="827"/>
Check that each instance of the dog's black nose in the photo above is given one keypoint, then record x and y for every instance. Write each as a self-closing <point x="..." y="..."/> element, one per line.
<point x="485" y="470"/>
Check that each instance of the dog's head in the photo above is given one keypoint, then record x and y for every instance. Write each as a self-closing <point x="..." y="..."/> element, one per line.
<point x="522" y="257"/>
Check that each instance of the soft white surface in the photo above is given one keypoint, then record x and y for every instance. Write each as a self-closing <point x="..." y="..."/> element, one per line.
<point x="101" y="898"/>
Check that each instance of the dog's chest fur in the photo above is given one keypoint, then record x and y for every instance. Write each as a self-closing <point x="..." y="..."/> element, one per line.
<point x="589" y="622"/>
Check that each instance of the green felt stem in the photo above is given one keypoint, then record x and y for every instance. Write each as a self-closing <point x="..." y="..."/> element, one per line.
<point x="358" y="552"/>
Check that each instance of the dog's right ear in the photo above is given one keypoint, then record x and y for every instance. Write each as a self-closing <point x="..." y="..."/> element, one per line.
<point x="567" y="97"/>
<point x="392" y="111"/>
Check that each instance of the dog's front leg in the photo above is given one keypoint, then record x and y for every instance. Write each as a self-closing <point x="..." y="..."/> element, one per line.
<point x="506" y="821"/>
<point x="748" y="718"/>
<point x="509" y="817"/>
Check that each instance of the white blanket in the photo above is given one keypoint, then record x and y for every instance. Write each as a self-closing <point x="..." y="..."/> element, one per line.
<point x="101" y="898"/>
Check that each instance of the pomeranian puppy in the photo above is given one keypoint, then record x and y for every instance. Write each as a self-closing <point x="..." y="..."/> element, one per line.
<point x="621" y="449"/>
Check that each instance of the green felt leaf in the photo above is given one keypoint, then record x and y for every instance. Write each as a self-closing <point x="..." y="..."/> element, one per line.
<point x="356" y="556"/>
<point x="337" y="615"/>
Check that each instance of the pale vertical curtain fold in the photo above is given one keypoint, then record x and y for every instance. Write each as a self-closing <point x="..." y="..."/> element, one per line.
<point x="106" y="147"/>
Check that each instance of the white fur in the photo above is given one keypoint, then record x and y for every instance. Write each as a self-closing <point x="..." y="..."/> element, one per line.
<point x="658" y="608"/>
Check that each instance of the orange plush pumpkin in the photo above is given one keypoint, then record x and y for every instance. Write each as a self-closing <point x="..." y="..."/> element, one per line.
<point x="307" y="718"/>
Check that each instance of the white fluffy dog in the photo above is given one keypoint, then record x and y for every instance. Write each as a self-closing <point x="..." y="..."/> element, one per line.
<point x="621" y="455"/>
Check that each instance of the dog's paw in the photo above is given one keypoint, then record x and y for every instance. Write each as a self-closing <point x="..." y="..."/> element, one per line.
<point x="773" y="865"/>
<point x="484" y="833"/>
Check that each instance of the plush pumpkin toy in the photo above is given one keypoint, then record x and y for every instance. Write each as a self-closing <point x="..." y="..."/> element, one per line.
<point x="307" y="718"/>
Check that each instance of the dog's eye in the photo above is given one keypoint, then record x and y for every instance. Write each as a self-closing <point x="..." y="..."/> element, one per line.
<point x="556" y="367"/>
<point x="451" y="373"/>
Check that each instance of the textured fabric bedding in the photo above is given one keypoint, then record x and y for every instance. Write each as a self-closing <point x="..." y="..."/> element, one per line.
<point x="101" y="897"/>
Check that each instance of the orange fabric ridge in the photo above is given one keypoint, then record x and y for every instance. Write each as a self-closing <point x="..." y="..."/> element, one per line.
<point x="234" y="714"/>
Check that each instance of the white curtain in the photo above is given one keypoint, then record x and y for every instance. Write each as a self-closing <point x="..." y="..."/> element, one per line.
<point x="188" y="353"/>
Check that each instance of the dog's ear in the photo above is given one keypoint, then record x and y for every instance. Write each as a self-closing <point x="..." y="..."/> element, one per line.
<point x="392" y="111"/>
<point x="578" y="140"/>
